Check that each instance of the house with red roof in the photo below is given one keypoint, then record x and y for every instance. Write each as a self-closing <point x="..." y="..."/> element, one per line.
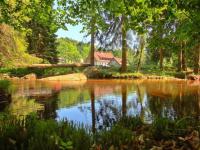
<point x="106" y="59"/>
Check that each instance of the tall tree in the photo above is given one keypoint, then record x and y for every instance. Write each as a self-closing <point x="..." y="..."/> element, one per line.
<point x="115" y="33"/>
<point x="38" y="20"/>
<point x="142" y="42"/>
<point x="123" y="16"/>
<point x="14" y="13"/>
<point x="88" y="14"/>
<point x="43" y="26"/>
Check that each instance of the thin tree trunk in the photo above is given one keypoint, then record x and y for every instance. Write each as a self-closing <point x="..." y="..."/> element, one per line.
<point x="124" y="46"/>
<point x="197" y="59"/>
<point x="161" y="58"/>
<point x="184" y="61"/>
<point x="92" y="42"/>
<point x="180" y="60"/>
<point x="142" y="45"/>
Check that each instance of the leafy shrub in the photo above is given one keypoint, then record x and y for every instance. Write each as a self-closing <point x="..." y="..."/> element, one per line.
<point x="132" y="123"/>
<point x="180" y="75"/>
<point x="40" y="72"/>
<point x="4" y="84"/>
<point x="115" y="138"/>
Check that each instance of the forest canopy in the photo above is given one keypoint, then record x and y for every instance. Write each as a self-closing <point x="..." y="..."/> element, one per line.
<point x="166" y="32"/>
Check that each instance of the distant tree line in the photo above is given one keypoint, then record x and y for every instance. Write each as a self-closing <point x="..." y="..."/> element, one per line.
<point x="70" y="51"/>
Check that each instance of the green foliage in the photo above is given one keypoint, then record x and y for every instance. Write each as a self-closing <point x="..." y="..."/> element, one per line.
<point x="38" y="20"/>
<point x="14" y="13"/>
<point x="164" y="128"/>
<point x="42" y="25"/>
<point x="172" y="29"/>
<point x="70" y="97"/>
<point x="20" y="72"/>
<point x="72" y="51"/>
<point x="13" y="48"/>
<point x="4" y="84"/>
<point x="127" y="133"/>
<point x="31" y="133"/>
<point x="127" y="75"/>
<point x="132" y="123"/>
<point x="180" y="75"/>
<point x="116" y="137"/>
<point x="98" y="72"/>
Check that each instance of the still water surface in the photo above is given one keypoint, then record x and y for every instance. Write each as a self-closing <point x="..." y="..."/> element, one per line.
<point x="102" y="102"/>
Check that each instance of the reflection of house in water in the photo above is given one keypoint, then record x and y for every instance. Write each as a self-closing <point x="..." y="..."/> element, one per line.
<point x="34" y="93"/>
<point x="105" y="90"/>
<point x="101" y="91"/>
<point x="31" y="89"/>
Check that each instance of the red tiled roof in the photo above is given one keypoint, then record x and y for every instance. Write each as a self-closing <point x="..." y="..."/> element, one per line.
<point x="103" y="55"/>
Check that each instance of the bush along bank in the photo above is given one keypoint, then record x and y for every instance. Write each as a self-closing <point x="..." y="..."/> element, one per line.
<point x="24" y="73"/>
<point x="113" y="73"/>
<point x="92" y="73"/>
<point x="126" y="133"/>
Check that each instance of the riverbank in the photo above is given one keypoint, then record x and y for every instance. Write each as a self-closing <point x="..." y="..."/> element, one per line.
<point x="109" y="73"/>
<point x="91" y="73"/>
<point x="126" y="133"/>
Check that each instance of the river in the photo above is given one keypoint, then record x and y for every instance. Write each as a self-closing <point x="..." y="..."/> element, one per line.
<point x="99" y="103"/>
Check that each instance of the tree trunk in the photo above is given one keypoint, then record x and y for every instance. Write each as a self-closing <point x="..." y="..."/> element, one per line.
<point x="184" y="61"/>
<point x="92" y="42"/>
<point x="180" y="60"/>
<point x="197" y="59"/>
<point x="124" y="46"/>
<point x="161" y="59"/>
<point x="142" y="45"/>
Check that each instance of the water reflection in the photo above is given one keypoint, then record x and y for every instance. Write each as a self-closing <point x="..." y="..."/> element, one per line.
<point x="5" y="99"/>
<point x="92" y="97"/>
<point x="100" y="103"/>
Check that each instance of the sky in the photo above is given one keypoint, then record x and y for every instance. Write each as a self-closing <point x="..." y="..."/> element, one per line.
<point x="73" y="32"/>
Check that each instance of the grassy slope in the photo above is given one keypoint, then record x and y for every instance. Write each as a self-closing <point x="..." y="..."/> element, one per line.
<point x="13" y="48"/>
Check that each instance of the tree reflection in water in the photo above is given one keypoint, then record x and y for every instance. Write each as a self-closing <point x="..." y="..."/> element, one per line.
<point x="177" y="107"/>
<point x="92" y="97"/>
<point x="50" y="105"/>
<point x="5" y="99"/>
<point x="100" y="103"/>
<point x="109" y="111"/>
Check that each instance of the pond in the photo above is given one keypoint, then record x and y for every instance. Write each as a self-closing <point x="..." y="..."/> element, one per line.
<point x="99" y="103"/>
